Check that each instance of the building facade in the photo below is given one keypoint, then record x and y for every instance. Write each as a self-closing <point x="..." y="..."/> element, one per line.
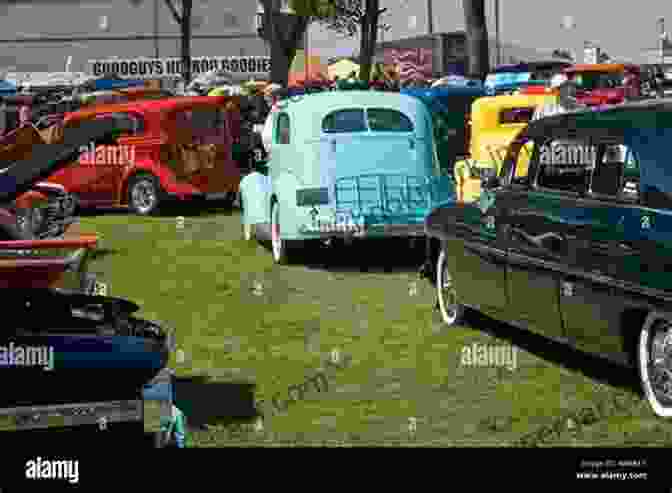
<point x="40" y="35"/>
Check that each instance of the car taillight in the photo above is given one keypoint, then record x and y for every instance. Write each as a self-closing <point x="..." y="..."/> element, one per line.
<point x="312" y="196"/>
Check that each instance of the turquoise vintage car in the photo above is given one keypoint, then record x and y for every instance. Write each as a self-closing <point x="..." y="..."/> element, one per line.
<point x="346" y="164"/>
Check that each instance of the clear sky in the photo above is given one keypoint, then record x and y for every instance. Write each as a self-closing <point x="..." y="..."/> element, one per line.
<point x="622" y="28"/>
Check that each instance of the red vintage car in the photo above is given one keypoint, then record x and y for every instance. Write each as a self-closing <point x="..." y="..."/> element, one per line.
<point x="179" y="148"/>
<point x="605" y="83"/>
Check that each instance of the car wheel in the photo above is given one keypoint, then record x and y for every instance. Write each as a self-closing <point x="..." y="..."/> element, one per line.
<point x="143" y="194"/>
<point x="70" y="205"/>
<point x="451" y="310"/>
<point x="655" y="365"/>
<point x="284" y="251"/>
<point x="248" y="232"/>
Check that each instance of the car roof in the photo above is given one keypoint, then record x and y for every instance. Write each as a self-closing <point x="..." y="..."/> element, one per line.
<point x="600" y="67"/>
<point x="143" y="105"/>
<point x="511" y="101"/>
<point x="312" y="108"/>
<point x="613" y="120"/>
<point x="530" y="66"/>
<point x="442" y="92"/>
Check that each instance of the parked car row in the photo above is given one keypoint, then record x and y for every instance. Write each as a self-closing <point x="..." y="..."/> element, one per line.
<point x="559" y="225"/>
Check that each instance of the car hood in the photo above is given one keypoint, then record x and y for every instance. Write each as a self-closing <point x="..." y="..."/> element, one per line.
<point x="20" y="176"/>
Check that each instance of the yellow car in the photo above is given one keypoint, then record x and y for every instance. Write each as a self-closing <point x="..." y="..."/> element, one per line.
<point x="495" y="121"/>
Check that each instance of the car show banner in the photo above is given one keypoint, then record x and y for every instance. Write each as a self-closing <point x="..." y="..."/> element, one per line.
<point x="412" y="63"/>
<point x="156" y="68"/>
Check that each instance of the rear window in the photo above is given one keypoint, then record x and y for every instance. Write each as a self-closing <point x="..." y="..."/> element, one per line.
<point x="344" y="121"/>
<point x="589" y="81"/>
<point x="125" y="120"/>
<point x="200" y="121"/>
<point x="385" y="120"/>
<point x="516" y="115"/>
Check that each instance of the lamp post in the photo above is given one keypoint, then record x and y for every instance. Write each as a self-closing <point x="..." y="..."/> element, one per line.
<point x="569" y="24"/>
<point x="663" y="35"/>
<point x="430" y="17"/>
<point x="497" y="39"/>
<point x="156" y="28"/>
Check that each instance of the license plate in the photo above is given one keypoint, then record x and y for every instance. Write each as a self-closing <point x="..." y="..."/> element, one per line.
<point x="344" y="218"/>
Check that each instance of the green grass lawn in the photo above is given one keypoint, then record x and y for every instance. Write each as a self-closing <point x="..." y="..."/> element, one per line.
<point x="249" y="330"/>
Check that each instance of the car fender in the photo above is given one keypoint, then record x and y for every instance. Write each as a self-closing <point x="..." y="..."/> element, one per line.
<point x="255" y="192"/>
<point x="31" y="198"/>
<point x="284" y="188"/>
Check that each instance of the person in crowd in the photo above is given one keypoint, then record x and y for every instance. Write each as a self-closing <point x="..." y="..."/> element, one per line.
<point x="3" y="118"/>
<point x="25" y="116"/>
<point x="272" y="93"/>
<point x="174" y="429"/>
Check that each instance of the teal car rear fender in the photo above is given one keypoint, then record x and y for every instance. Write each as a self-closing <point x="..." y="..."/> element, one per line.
<point x="284" y="189"/>
<point x="255" y="193"/>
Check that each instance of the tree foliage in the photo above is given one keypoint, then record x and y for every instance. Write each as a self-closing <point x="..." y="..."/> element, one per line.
<point x="282" y="32"/>
<point x="563" y="54"/>
<point x="349" y="17"/>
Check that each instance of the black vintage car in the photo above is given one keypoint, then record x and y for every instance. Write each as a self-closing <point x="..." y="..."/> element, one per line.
<point x="578" y="247"/>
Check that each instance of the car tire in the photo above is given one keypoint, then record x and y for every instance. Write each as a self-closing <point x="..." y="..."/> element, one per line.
<point x="248" y="229"/>
<point x="655" y="342"/>
<point x="248" y="232"/>
<point x="230" y="199"/>
<point x="144" y="194"/>
<point x="284" y="251"/>
<point x="451" y="311"/>
<point x="70" y="205"/>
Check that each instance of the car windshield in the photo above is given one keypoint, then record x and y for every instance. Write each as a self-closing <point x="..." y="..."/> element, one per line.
<point x="589" y="81"/>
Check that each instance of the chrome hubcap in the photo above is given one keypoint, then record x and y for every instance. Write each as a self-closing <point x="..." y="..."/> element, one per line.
<point x="144" y="195"/>
<point x="447" y="292"/>
<point x="37" y="216"/>
<point x="69" y="205"/>
<point x="660" y="365"/>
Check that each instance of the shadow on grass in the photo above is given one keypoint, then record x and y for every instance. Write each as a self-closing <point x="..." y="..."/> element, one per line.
<point x="206" y="402"/>
<point x="196" y="209"/>
<point x="185" y="209"/>
<point x="591" y="366"/>
<point x="103" y="211"/>
<point x="100" y="253"/>
<point x="394" y="255"/>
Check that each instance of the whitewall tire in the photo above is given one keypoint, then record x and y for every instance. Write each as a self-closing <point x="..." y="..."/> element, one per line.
<point x="654" y="361"/>
<point x="451" y="310"/>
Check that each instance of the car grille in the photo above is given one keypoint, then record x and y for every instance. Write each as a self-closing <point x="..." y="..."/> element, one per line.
<point x="54" y="222"/>
<point x="386" y="196"/>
